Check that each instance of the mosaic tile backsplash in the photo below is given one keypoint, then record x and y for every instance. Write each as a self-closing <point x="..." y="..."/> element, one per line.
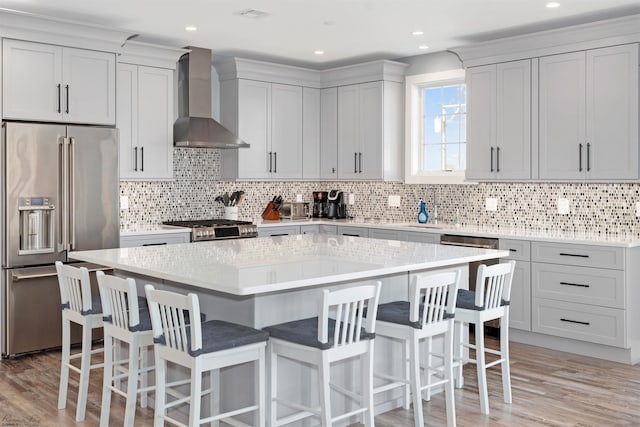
<point x="600" y="208"/>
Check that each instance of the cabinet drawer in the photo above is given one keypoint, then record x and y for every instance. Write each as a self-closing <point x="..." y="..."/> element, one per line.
<point x="377" y="233"/>
<point x="580" y="255"/>
<point x="154" y="239"/>
<point x="279" y="231"/>
<point x="345" y="230"/>
<point x="421" y="237"/>
<point x="600" y="325"/>
<point x="520" y="250"/>
<point x="579" y="284"/>
<point x="318" y="228"/>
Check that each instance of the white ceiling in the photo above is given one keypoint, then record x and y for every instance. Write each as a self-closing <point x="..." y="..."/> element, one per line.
<point x="348" y="31"/>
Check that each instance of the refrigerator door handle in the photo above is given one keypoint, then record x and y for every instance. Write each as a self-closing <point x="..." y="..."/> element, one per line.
<point x="63" y="177"/>
<point x="72" y="193"/>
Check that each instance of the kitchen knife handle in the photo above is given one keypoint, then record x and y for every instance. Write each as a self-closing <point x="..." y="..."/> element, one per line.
<point x="59" y="98"/>
<point x="491" y="157"/>
<point x="142" y="155"/>
<point x="67" y="90"/>
<point x="355" y="162"/>
<point x="135" y="159"/>
<point x="360" y="162"/>
<point x="579" y="157"/>
<point x="275" y="162"/>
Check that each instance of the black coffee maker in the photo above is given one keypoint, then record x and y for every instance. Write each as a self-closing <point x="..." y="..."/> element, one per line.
<point x="320" y="204"/>
<point x="336" y="208"/>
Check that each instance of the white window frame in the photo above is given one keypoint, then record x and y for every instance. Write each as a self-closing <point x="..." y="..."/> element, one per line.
<point x="413" y="141"/>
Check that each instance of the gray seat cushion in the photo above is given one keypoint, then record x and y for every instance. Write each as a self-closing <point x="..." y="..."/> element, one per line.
<point x="96" y="306"/>
<point x="398" y="312"/>
<point x="219" y="335"/>
<point x="467" y="300"/>
<point x="305" y="332"/>
<point x="145" y="317"/>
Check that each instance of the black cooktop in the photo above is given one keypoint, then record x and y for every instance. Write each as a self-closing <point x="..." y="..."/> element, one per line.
<point x="206" y="223"/>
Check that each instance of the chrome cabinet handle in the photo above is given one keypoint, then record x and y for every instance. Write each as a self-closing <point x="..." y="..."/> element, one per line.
<point x="67" y="89"/>
<point x="59" y="98"/>
<point x="360" y="161"/>
<point x="135" y="159"/>
<point x="498" y="159"/>
<point x="275" y="162"/>
<point x="142" y="155"/>
<point x="491" y="157"/>
<point x="588" y="157"/>
<point x="355" y="162"/>
<point x="579" y="157"/>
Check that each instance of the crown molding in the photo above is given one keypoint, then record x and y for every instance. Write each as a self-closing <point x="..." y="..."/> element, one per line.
<point x="365" y="72"/>
<point x="151" y="55"/>
<point x="578" y="37"/>
<point x="240" y="68"/>
<point x="44" y="29"/>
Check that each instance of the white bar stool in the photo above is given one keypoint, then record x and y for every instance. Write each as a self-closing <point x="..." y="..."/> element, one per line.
<point x="409" y="322"/>
<point x="79" y="307"/>
<point x="489" y="301"/>
<point x="200" y="347"/>
<point x="126" y="319"/>
<point x="321" y="341"/>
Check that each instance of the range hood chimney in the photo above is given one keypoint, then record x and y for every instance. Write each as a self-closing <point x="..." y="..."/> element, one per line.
<point x="195" y="127"/>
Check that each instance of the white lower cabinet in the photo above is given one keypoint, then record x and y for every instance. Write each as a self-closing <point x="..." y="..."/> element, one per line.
<point x="154" y="239"/>
<point x="520" y="304"/>
<point x="278" y="230"/>
<point x="318" y="229"/>
<point x="347" y="230"/>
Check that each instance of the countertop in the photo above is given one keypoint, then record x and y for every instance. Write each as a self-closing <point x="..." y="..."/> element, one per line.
<point x="516" y="233"/>
<point x="270" y="264"/>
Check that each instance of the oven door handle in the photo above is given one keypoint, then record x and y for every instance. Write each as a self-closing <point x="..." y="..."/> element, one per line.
<point x="467" y="245"/>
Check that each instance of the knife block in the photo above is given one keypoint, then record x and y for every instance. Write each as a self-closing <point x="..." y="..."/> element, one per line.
<point x="270" y="212"/>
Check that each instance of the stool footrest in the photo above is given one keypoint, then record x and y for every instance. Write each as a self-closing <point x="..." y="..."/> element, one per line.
<point x="349" y="414"/>
<point x="345" y="392"/>
<point x="230" y="414"/>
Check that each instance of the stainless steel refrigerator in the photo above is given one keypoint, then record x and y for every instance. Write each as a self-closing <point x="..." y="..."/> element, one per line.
<point x="59" y="193"/>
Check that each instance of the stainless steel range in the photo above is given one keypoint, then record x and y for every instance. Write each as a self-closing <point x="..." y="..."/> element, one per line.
<point x="217" y="229"/>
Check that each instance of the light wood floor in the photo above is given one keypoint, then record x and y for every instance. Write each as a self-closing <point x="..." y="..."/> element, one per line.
<point x="549" y="389"/>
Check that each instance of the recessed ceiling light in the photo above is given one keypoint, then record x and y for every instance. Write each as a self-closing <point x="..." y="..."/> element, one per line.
<point x="318" y="52"/>
<point x="552" y="5"/>
<point x="191" y="28"/>
<point x="417" y="33"/>
<point x="423" y="46"/>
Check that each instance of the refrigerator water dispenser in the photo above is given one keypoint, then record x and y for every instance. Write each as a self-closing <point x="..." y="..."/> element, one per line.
<point x="36" y="225"/>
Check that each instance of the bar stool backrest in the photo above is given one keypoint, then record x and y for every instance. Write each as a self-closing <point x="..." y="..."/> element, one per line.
<point x="170" y="325"/>
<point x="119" y="301"/>
<point x="75" y="288"/>
<point x="348" y="305"/>
<point x="435" y="295"/>
<point x="493" y="284"/>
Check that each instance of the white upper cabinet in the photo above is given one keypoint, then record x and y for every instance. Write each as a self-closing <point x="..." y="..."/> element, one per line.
<point x="329" y="133"/>
<point x="145" y="119"/>
<point x="311" y="133"/>
<point x="499" y="121"/>
<point x="588" y="123"/>
<point x="269" y="118"/>
<point x="52" y="83"/>
<point x="369" y="130"/>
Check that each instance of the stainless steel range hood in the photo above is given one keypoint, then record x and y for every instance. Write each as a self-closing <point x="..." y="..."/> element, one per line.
<point x="195" y="127"/>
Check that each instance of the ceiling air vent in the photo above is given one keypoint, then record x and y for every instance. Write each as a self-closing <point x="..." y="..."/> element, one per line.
<point x="252" y="13"/>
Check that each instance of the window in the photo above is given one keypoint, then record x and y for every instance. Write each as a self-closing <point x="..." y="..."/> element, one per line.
<point x="436" y="128"/>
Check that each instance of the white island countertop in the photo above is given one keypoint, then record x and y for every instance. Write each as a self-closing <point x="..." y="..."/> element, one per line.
<point x="270" y="264"/>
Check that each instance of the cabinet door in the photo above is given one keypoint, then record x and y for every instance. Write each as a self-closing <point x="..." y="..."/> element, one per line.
<point x="155" y="122"/>
<point x="562" y="150"/>
<point x="370" y="124"/>
<point x="379" y="233"/>
<point x="481" y="122"/>
<point x="89" y="86"/>
<point x="254" y="127"/>
<point x="513" y="118"/>
<point x="311" y="133"/>
<point x="612" y="113"/>
<point x="348" y="131"/>
<point x="286" y="131"/>
<point x="329" y="133"/>
<point x="520" y="306"/>
<point x="127" y="119"/>
<point x="31" y="81"/>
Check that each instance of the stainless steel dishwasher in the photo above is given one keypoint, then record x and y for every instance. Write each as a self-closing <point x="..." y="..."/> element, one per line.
<point x="493" y="327"/>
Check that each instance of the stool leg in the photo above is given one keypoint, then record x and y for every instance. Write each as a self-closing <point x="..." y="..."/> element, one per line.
<point x="107" y="380"/>
<point x="406" y="374"/>
<point x="64" y="363"/>
<point x="161" y="383"/>
<point x="196" y="393"/>
<point x="324" y="379"/>
<point x="366" y="363"/>
<point x="428" y="366"/>
<point x="261" y="389"/>
<point x="415" y="381"/>
<point x="132" y="382"/>
<point x="272" y="362"/>
<point x="458" y="352"/>
<point x="504" y="354"/>
<point x="482" y="369"/>
<point x="85" y="368"/>
<point x="448" y="372"/>
<point x="144" y="378"/>
<point x="214" y="396"/>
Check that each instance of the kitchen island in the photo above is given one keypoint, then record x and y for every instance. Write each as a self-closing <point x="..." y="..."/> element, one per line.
<point x="264" y="281"/>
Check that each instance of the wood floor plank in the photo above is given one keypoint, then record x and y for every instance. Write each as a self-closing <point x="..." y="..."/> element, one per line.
<point x="550" y="388"/>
